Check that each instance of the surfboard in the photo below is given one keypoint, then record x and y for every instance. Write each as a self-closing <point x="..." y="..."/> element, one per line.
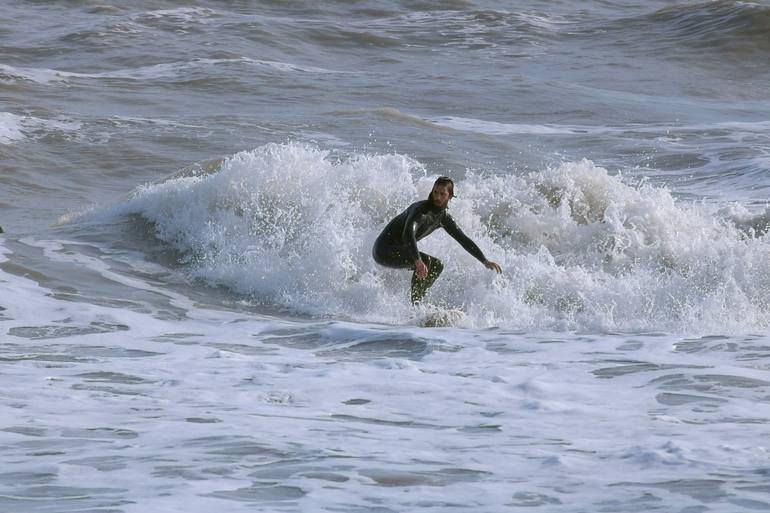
<point x="437" y="317"/>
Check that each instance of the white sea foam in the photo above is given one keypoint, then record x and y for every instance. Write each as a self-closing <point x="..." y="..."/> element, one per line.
<point x="132" y="121"/>
<point x="39" y="75"/>
<point x="10" y="128"/>
<point x="247" y="413"/>
<point x="45" y="76"/>
<point x="496" y="128"/>
<point x="14" y="128"/>
<point x="179" y="14"/>
<point x="730" y="129"/>
<point x="292" y="225"/>
<point x="163" y="70"/>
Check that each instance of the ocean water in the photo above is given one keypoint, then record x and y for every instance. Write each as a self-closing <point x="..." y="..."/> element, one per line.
<point x="191" y="321"/>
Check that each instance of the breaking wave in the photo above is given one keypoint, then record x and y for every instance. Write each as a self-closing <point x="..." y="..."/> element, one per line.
<point x="292" y="225"/>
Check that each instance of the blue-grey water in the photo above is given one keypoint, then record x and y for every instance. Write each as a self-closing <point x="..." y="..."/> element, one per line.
<point x="190" y="319"/>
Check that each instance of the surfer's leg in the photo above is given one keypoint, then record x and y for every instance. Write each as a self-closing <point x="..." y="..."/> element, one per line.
<point x="395" y="257"/>
<point x="421" y="286"/>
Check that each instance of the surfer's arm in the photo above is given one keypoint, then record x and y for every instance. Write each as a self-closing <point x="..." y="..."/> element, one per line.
<point x="457" y="234"/>
<point x="408" y="235"/>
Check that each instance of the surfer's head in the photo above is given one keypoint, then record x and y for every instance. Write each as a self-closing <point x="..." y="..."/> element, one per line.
<point x="443" y="190"/>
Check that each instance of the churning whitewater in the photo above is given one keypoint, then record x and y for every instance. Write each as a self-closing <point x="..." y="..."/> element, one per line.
<point x="292" y="225"/>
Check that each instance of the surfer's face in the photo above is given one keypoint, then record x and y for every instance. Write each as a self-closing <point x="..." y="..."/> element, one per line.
<point x="440" y="195"/>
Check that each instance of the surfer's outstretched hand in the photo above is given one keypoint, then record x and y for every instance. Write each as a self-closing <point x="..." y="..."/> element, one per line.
<point x="492" y="265"/>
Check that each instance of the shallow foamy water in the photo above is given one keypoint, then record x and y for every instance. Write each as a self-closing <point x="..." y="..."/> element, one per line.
<point x="226" y="408"/>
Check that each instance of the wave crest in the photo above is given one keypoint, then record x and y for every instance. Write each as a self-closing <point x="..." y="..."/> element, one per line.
<point x="726" y="26"/>
<point x="292" y="225"/>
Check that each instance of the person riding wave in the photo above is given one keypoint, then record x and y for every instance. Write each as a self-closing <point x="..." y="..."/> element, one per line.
<point x="396" y="246"/>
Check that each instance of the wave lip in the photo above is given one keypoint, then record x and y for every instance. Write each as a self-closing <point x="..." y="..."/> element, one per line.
<point x="169" y="70"/>
<point x="727" y="27"/>
<point x="717" y="23"/>
<point x="38" y="75"/>
<point x="10" y="128"/>
<point x="497" y="128"/>
<point x="183" y="14"/>
<point x="14" y="128"/>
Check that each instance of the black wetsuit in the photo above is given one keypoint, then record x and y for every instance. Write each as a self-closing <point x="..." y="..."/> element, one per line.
<point x="396" y="246"/>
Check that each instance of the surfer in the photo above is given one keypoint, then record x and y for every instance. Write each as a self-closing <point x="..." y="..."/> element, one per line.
<point x="396" y="246"/>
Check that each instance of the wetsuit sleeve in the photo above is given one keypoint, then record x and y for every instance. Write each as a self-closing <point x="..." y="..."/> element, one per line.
<point x="408" y="235"/>
<point x="457" y="234"/>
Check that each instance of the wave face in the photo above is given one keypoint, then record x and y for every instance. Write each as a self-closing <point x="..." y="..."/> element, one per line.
<point x="716" y="23"/>
<point x="291" y="225"/>
<point x="722" y="28"/>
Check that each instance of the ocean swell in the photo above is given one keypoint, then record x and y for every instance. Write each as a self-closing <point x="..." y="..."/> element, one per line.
<point x="724" y="27"/>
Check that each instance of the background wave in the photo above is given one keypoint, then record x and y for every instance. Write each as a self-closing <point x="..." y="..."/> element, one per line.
<point x="723" y="27"/>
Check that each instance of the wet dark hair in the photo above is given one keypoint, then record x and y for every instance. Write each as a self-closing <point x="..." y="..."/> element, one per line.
<point x="443" y="181"/>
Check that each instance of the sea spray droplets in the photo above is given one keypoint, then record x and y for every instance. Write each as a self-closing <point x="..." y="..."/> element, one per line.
<point x="292" y="225"/>
<point x="288" y="224"/>
<point x="621" y="257"/>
